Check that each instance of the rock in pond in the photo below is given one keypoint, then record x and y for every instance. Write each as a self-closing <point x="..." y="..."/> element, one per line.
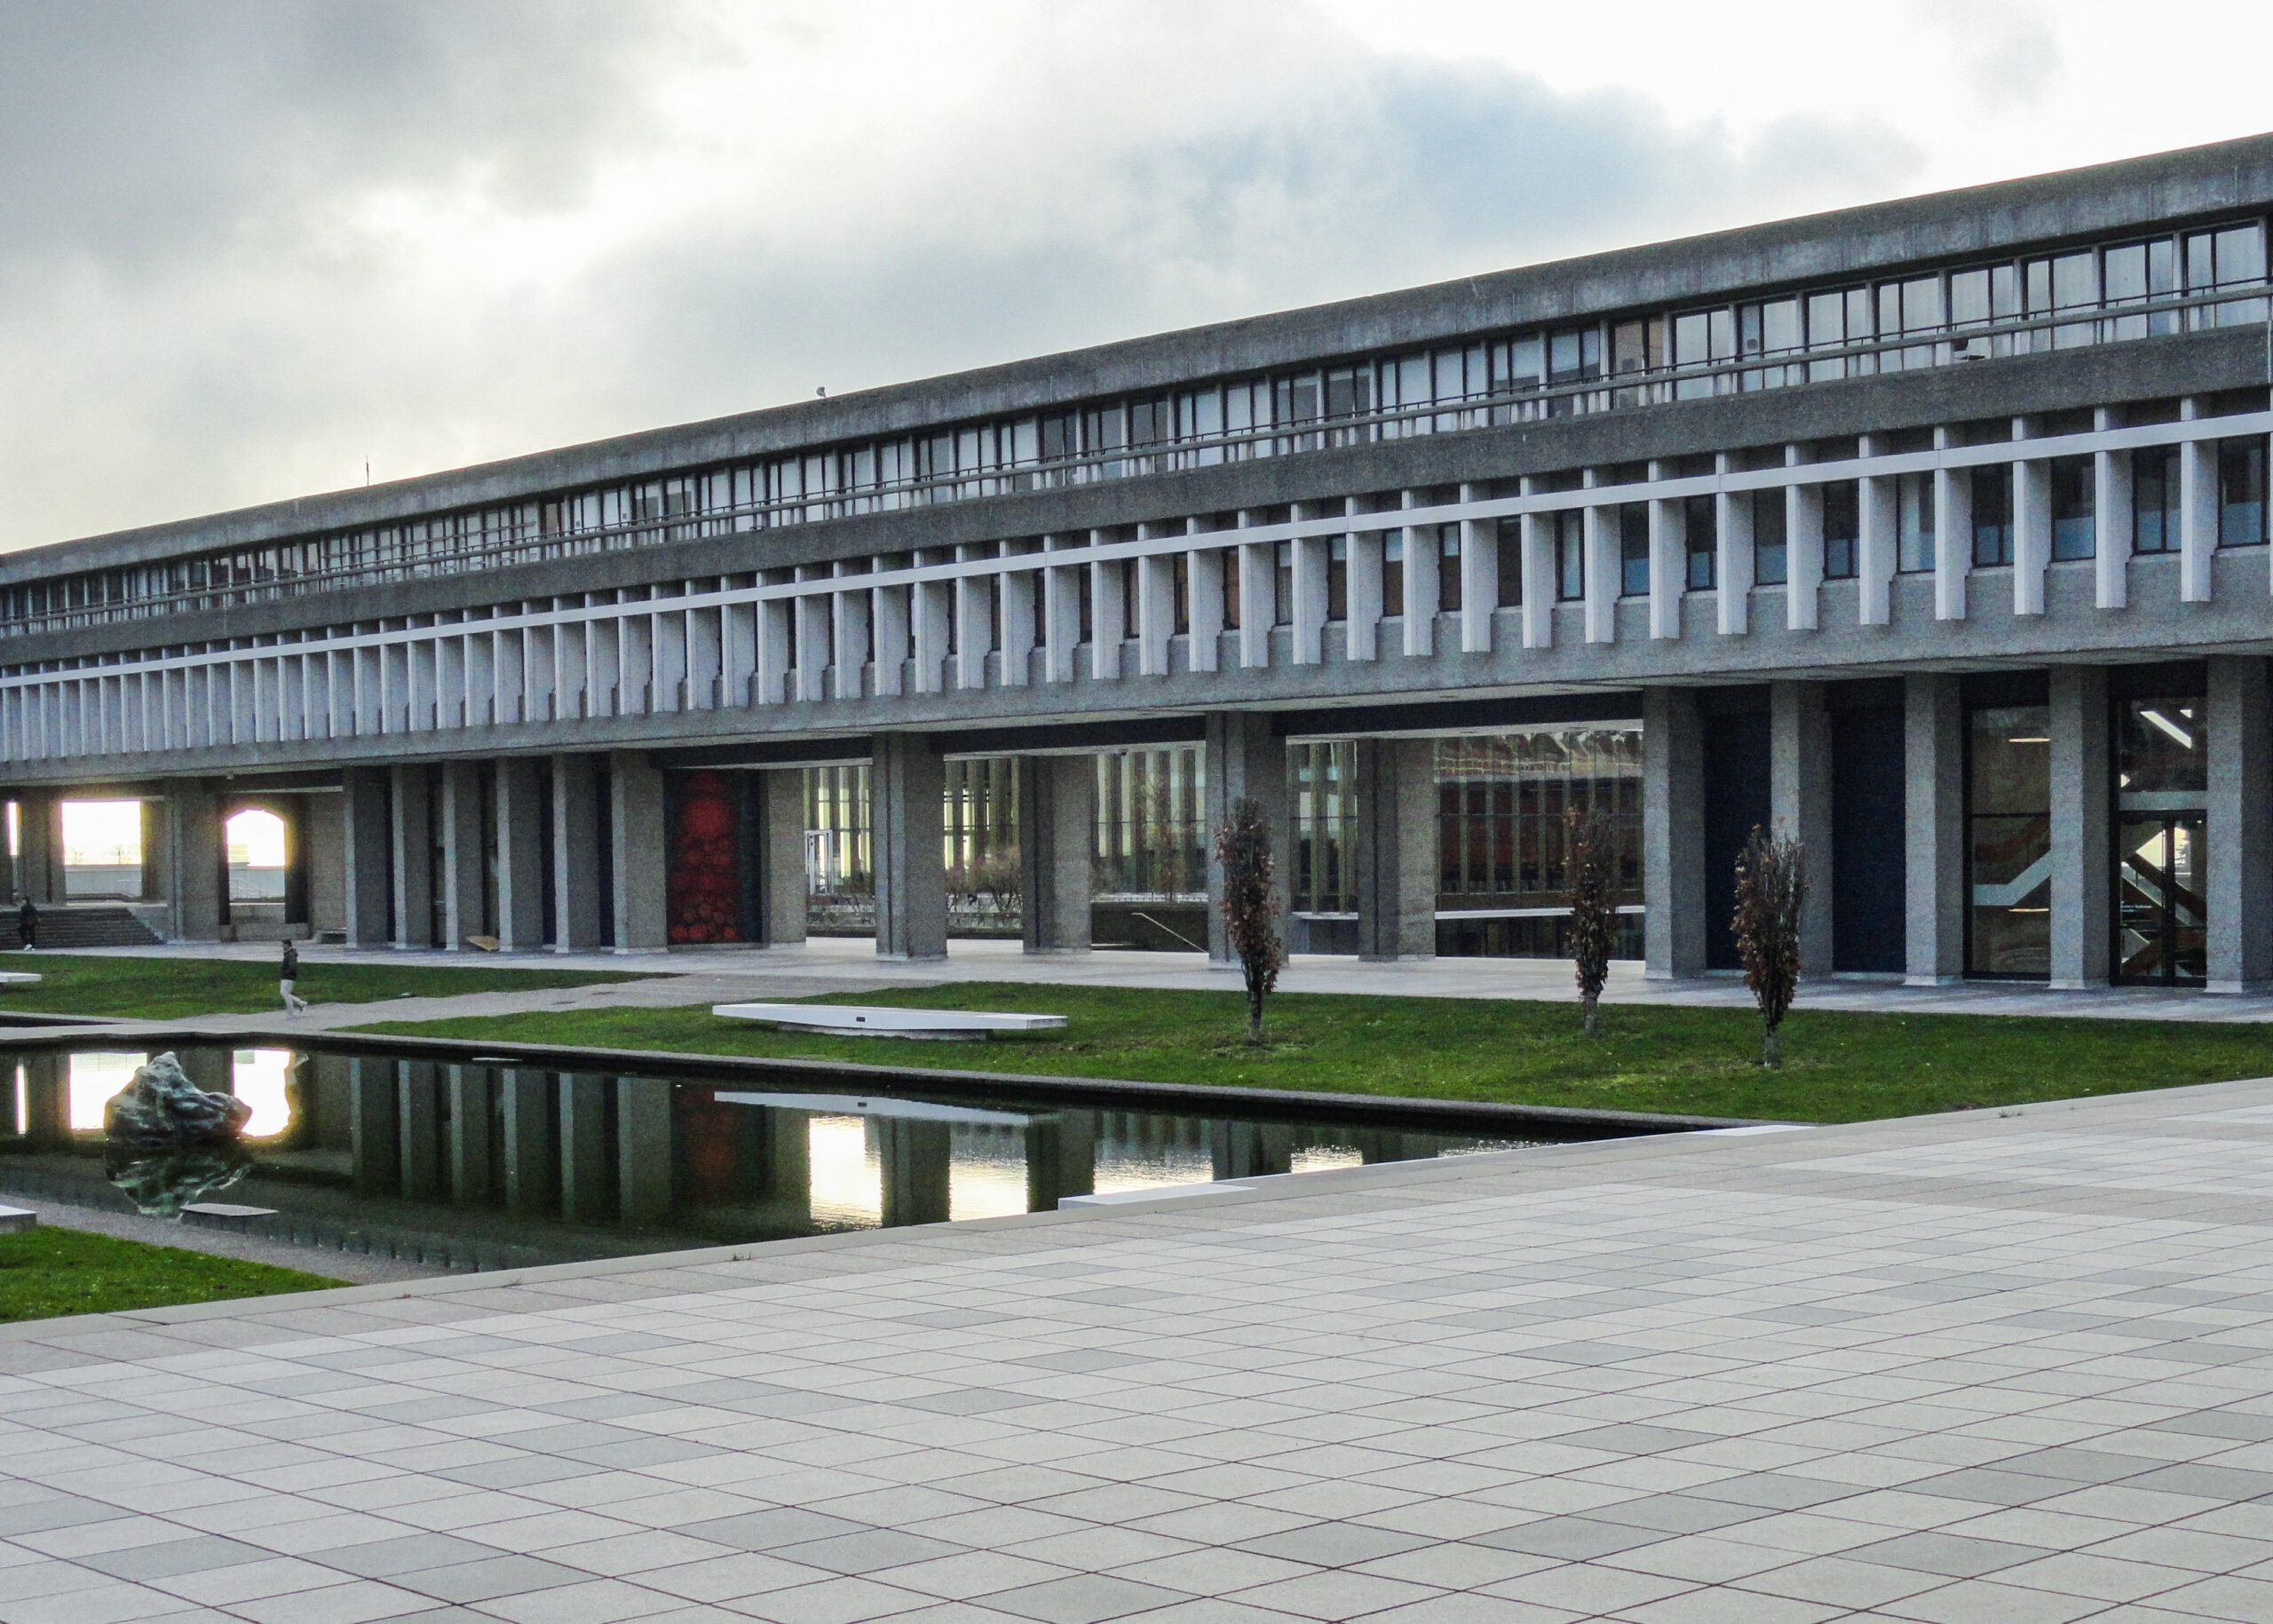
<point x="160" y="1107"/>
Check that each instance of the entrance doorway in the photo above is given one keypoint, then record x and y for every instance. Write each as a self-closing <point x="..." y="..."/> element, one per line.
<point x="2161" y="922"/>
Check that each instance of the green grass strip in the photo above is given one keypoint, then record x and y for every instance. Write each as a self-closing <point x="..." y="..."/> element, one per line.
<point x="46" y="1272"/>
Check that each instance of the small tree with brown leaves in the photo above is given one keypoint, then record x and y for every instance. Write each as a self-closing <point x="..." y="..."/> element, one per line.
<point x="1243" y="849"/>
<point x="1771" y="887"/>
<point x="1590" y="855"/>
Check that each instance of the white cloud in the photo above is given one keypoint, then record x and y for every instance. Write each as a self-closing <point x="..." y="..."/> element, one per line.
<point x="251" y="243"/>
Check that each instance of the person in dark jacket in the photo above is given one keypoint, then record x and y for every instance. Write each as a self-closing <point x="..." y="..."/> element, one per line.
<point x="28" y="924"/>
<point x="289" y="974"/>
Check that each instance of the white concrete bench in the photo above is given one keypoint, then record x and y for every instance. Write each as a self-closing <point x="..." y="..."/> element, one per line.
<point x="17" y="977"/>
<point x="867" y="1021"/>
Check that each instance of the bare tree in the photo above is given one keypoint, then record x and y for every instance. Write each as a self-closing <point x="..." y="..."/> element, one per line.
<point x="1591" y="863"/>
<point x="1771" y="886"/>
<point x="1243" y="848"/>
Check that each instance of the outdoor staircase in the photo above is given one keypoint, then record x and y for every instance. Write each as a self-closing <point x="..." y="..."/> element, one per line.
<point x="63" y="929"/>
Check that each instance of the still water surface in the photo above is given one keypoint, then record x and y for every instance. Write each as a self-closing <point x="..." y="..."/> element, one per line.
<point x="493" y="1166"/>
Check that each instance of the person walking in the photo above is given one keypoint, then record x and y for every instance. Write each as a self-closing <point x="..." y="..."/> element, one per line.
<point x="28" y="924"/>
<point x="291" y="973"/>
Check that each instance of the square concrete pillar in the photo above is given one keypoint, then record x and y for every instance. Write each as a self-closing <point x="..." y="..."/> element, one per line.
<point x="157" y="882"/>
<point x="643" y="1150"/>
<point x="528" y="1124"/>
<point x="2238" y="874"/>
<point x="410" y="838"/>
<point x="575" y="853"/>
<point x="1246" y="760"/>
<point x="364" y="824"/>
<point x="1799" y="800"/>
<point x="1673" y="834"/>
<point x="197" y="861"/>
<point x="2082" y="849"/>
<point x="458" y="822"/>
<point x="520" y="859"/>
<point x="1061" y="1158"/>
<point x="585" y="1152"/>
<point x="637" y="842"/>
<point x="1934" y="826"/>
<point x="1057" y="812"/>
<point x="39" y="834"/>
<point x="916" y="1157"/>
<point x="1397" y="848"/>
<point x="781" y="883"/>
<point x="907" y="785"/>
<point x="468" y="1089"/>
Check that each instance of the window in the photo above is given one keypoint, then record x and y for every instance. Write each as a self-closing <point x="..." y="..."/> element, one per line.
<point x="2241" y="492"/>
<point x="1337" y="578"/>
<point x="1570" y="533"/>
<point x="1227" y="564"/>
<point x="1699" y="337"/>
<point x="2154" y="499"/>
<point x="1992" y="516"/>
<point x="2134" y="274"/>
<point x="2075" y="528"/>
<point x="1914" y="506"/>
<point x="1771" y="555"/>
<point x="1703" y="550"/>
<point x="1841" y="529"/>
<point x="1131" y="573"/>
<point x="1448" y="595"/>
<point x="1634" y="549"/>
<point x="1392" y="576"/>
<point x="2161" y="814"/>
<point x="1179" y="573"/>
<point x="1511" y="564"/>
<point x="2233" y="257"/>
<point x="1283" y="599"/>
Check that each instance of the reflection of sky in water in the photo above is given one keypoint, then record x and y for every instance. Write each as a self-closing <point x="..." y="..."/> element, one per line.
<point x="1324" y="1157"/>
<point x="258" y="1079"/>
<point x="848" y="1181"/>
<point x="94" y="1079"/>
<point x="260" y="1076"/>
<point x="987" y="1177"/>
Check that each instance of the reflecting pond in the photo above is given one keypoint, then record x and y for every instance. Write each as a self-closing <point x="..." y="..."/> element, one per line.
<point x="494" y="1165"/>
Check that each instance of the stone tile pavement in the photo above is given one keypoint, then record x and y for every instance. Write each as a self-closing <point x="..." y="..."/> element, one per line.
<point x="1990" y="1367"/>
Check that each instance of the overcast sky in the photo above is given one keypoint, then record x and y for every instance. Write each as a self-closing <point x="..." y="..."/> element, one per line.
<point x="246" y="245"/>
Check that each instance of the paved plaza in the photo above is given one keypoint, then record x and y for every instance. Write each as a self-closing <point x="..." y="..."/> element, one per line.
<point x="1992" y="1367"/>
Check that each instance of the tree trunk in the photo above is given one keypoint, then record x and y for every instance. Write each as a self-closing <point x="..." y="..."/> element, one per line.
<point x="1590" y="1018"/>
<point x="1253" y="1027"/>
<point x="1771" y="1047"/>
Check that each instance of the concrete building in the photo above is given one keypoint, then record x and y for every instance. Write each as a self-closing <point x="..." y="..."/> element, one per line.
<point x="1934" y="532"/>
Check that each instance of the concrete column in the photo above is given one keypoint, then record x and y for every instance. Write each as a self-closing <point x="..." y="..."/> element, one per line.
<point x="914" y="1155"/>
<point x="364" y="819"/>
<point x="907" y="785"/>
<point x="2238" y="878"/>
<point x="1934" y="826"/>
<point x="781" y="857"/>
<point x="2112" y="518"/>
<point x="1952" y="535"/>
<point x="520" y="881"/>
<point x="575" y="853"/>
<point x="1061" y="1158"/>
<point x="585" y="1149"/>
<point x="410" y="840"/>
<point x="1673" y="833"/>
<point x="196" y="861"/>
<point x="637" y="841"/>
<point x="39" y="831"/>
<point x="532" y="1153"/>
<point x="157" y="885"/>
<point x="1397" y="848"/>
<point x="467" y="1087"/>
<point x="1251" y="1150"/>
<point x="2082" y="852"/>
<point x="1799" y="799"/>
<point x="375" y="1131"/>
<point x="1057" y="812"/>
<point x="643" y="1150"/>
<point x="790" y="1169"/>
<point x="459" y="821"/>
<point x="1245" y="761"/>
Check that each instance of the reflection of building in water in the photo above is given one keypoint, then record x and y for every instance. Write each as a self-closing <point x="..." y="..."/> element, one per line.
<point x="557" y="1160"/>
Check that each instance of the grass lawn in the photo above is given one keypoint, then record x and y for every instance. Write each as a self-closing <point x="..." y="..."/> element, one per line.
<point x="1838" y="1068"/>
<point x="44" y="1272"/>
<point x="175" y="988"/>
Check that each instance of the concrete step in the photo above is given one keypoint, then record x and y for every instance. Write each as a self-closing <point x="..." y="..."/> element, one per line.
<point x="63" y="929"/>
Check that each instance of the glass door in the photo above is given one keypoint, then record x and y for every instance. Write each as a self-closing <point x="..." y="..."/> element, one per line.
<point x="2161" y="784"/>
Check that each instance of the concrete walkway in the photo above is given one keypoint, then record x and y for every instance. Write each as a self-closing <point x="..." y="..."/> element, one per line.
<point x="840" y="964"/>
<point x="1996" y="1366"/>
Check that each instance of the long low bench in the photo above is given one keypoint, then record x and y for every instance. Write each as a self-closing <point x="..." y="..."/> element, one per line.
<point x="868" y="1021"/>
